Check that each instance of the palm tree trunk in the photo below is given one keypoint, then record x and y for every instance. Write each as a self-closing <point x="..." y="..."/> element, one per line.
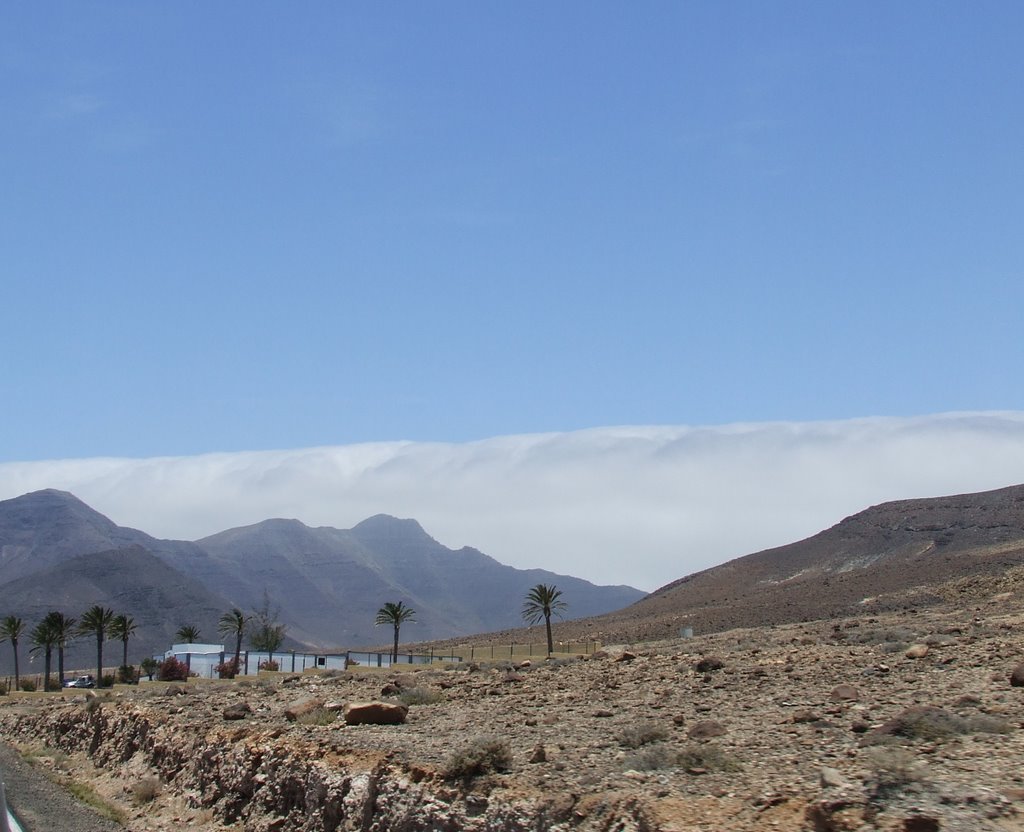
<point x="47" y="661"/>
<point x="124" y="657"/>
<point x="99" y="660"/>
<point x="17" y="678"/>
<point x="60" y="663"/>
<point x="394" y="653"/>
<point x="238" y="652"/>
<point x="551" y="644"/>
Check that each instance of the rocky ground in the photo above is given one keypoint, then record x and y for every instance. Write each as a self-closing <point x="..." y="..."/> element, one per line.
<point x="904" y="721"/>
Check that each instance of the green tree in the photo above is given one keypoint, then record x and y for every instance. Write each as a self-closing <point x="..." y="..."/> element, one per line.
<point x="541" y="603"/>
<point x="123" y="628"/>
<point x="267" y="633"/>
<point x="394" y="615"/>
<point x="64" y="628"/>
<point x="188" y="634"/>
<point x="44" y="638"/>
<point x="96" y="622"/>
<point x="11" y="629"/>
<point x="148" y="666"/>
<point x="232" y="624"/>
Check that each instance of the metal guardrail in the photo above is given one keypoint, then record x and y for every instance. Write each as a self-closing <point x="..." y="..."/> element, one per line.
<point x="8" y="823"/>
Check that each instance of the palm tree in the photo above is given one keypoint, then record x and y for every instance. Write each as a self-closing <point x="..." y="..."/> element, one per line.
<point x="96" y="622"/>
<point x="44" y="638"/>
<point x="11" y="629"/>
<point x="64" y="628"/>
<point x="395" y="615"/>
<point x="123" y="628"/>
<point x="233" y="624"/>
<point x="188" y="634"/>
<point x="541" y="603"/>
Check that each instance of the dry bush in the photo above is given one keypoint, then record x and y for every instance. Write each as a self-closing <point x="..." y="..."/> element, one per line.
<point x="642" y="733"/>
<point x="482" y="755"/>
<point x="419" y="695"/>
<point x="931" y="724"/>
<point x="707" y="757"/>
<point x="318" y="716"/>
<point x="145" y="790"/>
<point x="892" y="769"/>
<point x="880" y="636"/>
<point x="653" y="758"/>
<point x="695" y="759"/>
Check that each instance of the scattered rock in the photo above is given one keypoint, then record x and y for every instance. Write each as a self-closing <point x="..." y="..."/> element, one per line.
<point x="625" y="656"/>
<point x="916" y="651"/>
<point x="921" y="823"/>
<point x="239" y="710"/>
<point x="175" y="690"/>
<point x="844" y="693"/>
<point x="539" y="754"/>
<point x="375" y="713"/>
<point x="709" y="663"/>
<point x="303" y="706"/>
<point x="706" y="729"/>
<point x="1017" y="677"/>
<point x="832" y="778"/>
<point x="603" y="713"/>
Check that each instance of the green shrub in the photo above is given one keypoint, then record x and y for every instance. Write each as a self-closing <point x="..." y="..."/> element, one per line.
<point x="3" y="688"/>
<point x="480" y="756"/>
<point x="28" y="685"/>
<point x="126" y="675"/>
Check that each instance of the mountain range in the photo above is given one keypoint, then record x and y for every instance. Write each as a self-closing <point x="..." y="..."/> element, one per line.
<point x="58" y="553"/>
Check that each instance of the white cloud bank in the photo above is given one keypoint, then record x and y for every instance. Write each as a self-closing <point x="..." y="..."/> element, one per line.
<point x="636" y="505"/>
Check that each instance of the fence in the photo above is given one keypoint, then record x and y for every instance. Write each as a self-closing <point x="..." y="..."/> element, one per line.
<point x="472" y="652"/>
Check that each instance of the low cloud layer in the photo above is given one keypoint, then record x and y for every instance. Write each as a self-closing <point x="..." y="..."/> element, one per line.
<point x="633" y="505"/>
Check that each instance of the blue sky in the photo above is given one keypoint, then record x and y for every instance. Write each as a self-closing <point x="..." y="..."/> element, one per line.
<point x="429" y="259"/>
<point x="237" y="226"/>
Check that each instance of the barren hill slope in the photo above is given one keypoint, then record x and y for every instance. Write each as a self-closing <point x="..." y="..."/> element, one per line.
<point x="889" y="556"/>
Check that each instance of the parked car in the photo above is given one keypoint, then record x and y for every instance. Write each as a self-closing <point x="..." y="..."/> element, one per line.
<point x="86" y="681"/>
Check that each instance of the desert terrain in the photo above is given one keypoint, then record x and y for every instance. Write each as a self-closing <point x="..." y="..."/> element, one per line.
<point x="905" y="720"/>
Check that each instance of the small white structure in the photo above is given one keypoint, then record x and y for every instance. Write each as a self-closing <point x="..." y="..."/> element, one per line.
<point x="201" y="659"/>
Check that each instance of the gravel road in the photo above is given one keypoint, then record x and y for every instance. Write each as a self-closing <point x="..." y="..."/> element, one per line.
<point x="43" y="806"/>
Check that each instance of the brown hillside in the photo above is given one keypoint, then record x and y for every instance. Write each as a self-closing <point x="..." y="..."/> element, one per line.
<point x="891" y="556"/>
